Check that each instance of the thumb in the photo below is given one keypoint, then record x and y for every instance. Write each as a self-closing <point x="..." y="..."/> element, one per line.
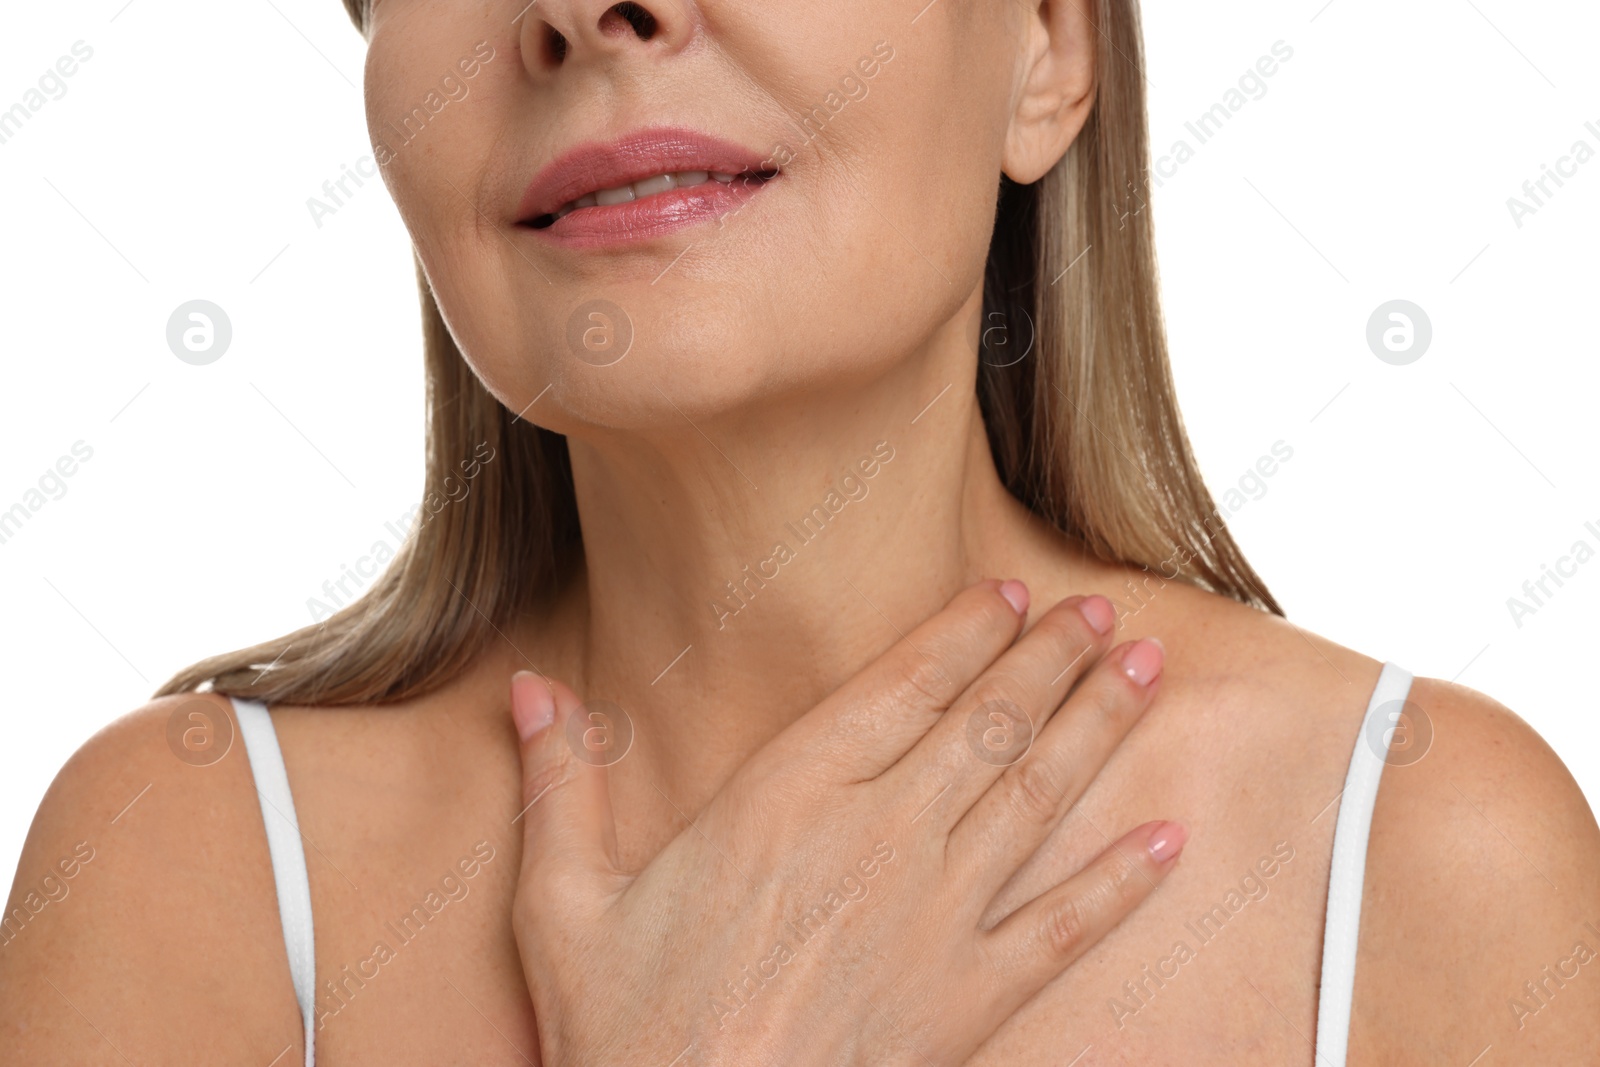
<point x="566" y="807"/>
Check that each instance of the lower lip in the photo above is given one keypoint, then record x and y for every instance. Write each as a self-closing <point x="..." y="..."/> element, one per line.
<point x="654" y="216"/>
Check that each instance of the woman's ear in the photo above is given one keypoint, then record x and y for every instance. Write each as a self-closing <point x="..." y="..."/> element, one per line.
<point x="1056" y="88"/>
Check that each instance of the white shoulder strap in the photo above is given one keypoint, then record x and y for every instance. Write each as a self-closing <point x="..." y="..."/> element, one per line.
<point x="1349" y="871"/>
<point x="288" y="857"/>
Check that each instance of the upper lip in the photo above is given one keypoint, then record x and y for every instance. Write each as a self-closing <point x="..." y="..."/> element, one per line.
<point x="593" y="166"/>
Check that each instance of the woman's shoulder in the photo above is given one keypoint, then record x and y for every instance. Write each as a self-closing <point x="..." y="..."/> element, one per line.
<point x="1449" y="736"/>
<point x="1481" y="909"/>
<point x="147" y="858"/>
<point x="1482" y="901"/>
<point x="1243" y="668"/>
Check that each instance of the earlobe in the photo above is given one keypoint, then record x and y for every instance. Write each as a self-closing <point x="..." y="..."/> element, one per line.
<point x="1057" y="87"/>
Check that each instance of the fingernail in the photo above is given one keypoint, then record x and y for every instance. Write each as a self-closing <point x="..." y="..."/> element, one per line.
<point x="1166" y="841"/>
<point x="1142" y="662"/>
<point x="1099" y="613"/>
<point x="1017" y="594"/>
<point x="533" y="707"/>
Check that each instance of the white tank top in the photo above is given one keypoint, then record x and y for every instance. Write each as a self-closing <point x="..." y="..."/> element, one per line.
<point x="1340" y="930"/>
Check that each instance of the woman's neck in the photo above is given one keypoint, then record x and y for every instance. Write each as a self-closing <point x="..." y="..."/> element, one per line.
<point x="739" y="569"/>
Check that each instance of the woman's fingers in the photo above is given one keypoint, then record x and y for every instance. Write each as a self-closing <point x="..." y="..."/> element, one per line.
<point x="998" y="719"/>
<point x="569" y="838"/>
<point x="872" y="720"/>
<point x="1042" y="938"/>
<point x="803" y="834"/>
<point x="1012" y="818"/>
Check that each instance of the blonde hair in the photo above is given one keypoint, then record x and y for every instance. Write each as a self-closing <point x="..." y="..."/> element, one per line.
<point x="1085" y="431"/>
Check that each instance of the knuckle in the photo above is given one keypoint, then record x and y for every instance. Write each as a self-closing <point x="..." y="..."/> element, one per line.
<point x="924" y="683"/>
<point x="998" y="685"/>
<point x="541" y="780"/>
<point x="934" y="671"/>
<point x="1065" y="927"/>
<point x="985" y="610"/>
<point x="1125" y="883"/>
<point x="1033" y="793"/>
<point x="1073" y="644"/>
<point x="1069" y="922"/>
<point x="1108" y="700"/>
<point x="1118" y="887"/>
<point x="1068" y="627"/>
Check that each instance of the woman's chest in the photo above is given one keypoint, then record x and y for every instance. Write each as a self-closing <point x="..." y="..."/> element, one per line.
<point x="1219" y="965"/>
<point x="1223" y="970"/>
<point x="417" y="959"/>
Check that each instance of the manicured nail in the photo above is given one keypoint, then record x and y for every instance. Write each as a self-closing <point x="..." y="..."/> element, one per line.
<point x="1099" y="613"/>
<point x="1166" y="841"/>
<point x="1142" y="662"/>
<point x="1017" y="594"/>
<point x="533" y="707"/>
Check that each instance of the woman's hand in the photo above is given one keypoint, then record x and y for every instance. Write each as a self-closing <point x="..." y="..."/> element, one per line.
<point x="826" y="906"/>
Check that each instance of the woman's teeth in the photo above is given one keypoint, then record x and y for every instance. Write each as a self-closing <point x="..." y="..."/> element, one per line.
<point x="661" y="183"/>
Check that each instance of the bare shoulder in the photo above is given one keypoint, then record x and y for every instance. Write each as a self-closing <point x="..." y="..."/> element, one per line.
<point x="1480" y="923"/>
<point x="143" y="913"/>
<point x="1254" y="662"/>
<point x="1258" y="715"/>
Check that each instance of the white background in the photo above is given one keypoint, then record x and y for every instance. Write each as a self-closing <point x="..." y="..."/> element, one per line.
<point x="1376" y="166"/>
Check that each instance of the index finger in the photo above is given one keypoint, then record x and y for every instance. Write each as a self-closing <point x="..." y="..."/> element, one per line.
<point x="872" y="720"/>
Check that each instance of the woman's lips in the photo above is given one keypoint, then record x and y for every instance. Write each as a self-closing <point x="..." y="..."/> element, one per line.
<point x="641" y="186"/>
<point x="651" y="216"/>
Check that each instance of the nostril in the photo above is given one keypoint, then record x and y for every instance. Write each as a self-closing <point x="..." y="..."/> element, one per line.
<point x="619" y="19"/>
<point x="638" y="19"/>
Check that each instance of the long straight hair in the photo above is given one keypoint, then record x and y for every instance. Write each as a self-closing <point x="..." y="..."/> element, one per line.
<point x="1084" y="430"/>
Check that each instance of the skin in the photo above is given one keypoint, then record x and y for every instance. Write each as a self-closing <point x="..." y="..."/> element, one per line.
<point x="824" y="317"/>
<point x="904" y="965"/>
